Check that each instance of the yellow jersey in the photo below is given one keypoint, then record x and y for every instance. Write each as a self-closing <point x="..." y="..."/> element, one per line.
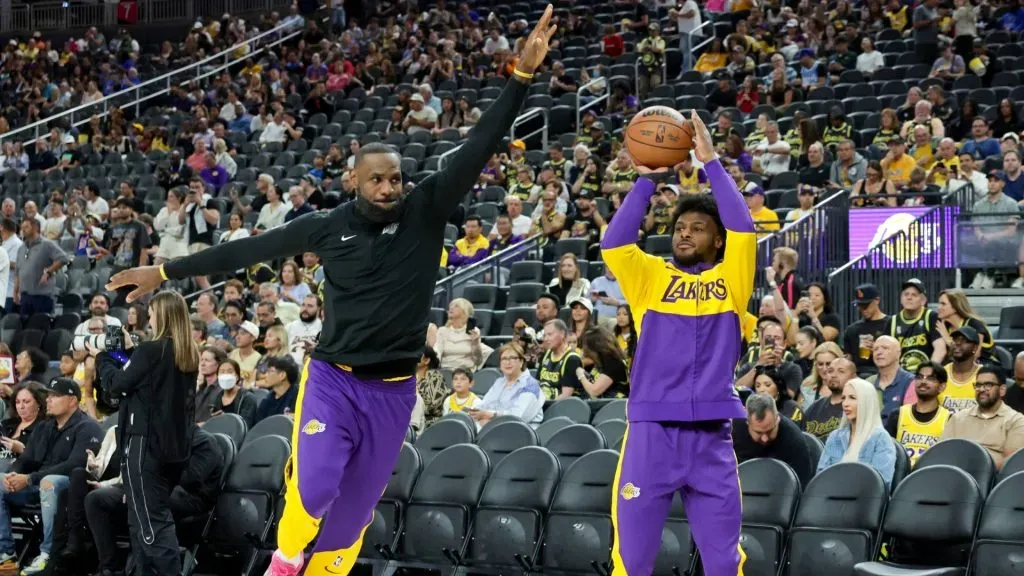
<point x="899" y="170"/>
<point x="916" y="436"/>
<point x="958" y="395"/>
<point x="454" y="405"/>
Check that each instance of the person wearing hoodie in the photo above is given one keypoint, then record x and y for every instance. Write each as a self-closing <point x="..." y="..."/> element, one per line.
<point x="848" y="167"/>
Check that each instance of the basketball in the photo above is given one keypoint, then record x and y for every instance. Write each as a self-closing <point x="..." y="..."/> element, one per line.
<point x="659" y="137"/>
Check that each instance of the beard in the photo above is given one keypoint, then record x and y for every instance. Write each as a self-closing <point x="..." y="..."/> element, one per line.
<point x="307" y="318"/>
<point x="691" y="259"/>
<point x="379" y="215"/>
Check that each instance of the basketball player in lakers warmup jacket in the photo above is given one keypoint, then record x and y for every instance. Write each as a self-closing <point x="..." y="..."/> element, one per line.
<point x="682" y="394"/>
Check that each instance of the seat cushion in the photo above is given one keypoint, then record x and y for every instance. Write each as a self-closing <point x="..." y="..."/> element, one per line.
<point x="887" y="569"/>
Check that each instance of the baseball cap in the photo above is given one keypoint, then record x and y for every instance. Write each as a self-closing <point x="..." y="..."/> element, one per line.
<point x="64" y="387"/>
<point x="251" y="328"/>
<point x="1010" y="136"/>
<point x="518" y="144"/>
<point x="865" y="293"/>
<point x="997" y="175"/>
<point x="915" y="283"/>
<point x="416" y="98"/>
<point x="968" y="333"/>
<point x="597" y="126"/>
<point x="585" y="302"/>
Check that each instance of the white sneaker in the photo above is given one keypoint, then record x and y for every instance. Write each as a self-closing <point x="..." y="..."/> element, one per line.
<point x="978" y="281"/>
<point x="1018" y="283"/>
<point x="37" y="566"/>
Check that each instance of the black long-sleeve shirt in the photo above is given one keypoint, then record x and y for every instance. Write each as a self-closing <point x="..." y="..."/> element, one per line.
<point x="379" y="278"/>
<point x="58" y="451"/>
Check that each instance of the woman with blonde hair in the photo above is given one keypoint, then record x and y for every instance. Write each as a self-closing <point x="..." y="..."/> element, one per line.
<point x="224" y="158"/>
<point x="157" y="414"/>
<point x="458" y="343"/>
<point x="813" y="386"/>
<point x="861" y="437"/>
<point x="569" y="284"/>
<point x="955" y="311"/>
<point x="275" y="344"/>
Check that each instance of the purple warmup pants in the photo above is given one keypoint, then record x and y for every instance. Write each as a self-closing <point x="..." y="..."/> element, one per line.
<point x="695" y="459"/>
<point x="348" y="434"/>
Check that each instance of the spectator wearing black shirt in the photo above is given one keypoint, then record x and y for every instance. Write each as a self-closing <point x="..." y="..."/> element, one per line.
<point x="771" y="353"/>
<point x="318" y="102"/>
<point x="43" y="159"/>
<point x="766" y="434"/>
<point x="826" y="413"/>
<point x="604" y="373"/>
<point x="816" y="173"/>
<point x="297" y="197"/>
<point x="175" y="173"/>
<point x="561" y="83"/>
<point x="723" y="95"/>
<point x="126" y="241"/>
<point x="860" y="336"/>
<point x="233" y="397"/>
<point x="282" y="379"/>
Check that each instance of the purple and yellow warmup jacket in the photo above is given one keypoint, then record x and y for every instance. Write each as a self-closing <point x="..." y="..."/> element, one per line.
<point x="688" y="319"/>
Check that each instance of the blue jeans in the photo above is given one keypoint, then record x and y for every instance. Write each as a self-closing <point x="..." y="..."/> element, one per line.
<point x="686" y="47"/>
<point x="47" y="500"/>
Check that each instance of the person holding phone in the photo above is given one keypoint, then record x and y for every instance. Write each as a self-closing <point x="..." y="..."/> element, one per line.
<point x="459" y="342"/>
<point x="606" y="294"/>
<point x="157" y="416"/>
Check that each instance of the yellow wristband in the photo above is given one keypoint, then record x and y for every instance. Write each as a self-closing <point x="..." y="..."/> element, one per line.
<point x="163" y="273"/>
<point x="522" y="74"/>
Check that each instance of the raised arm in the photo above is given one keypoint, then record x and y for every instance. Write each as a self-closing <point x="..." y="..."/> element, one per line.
<point x="618" y="247"/>
<point x="444" y="191"/>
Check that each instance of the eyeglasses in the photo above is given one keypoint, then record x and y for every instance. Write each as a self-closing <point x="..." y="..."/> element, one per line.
<point x="985" y="385"/>
<point x="928" y="378"/>
<point x="510" y="358"/>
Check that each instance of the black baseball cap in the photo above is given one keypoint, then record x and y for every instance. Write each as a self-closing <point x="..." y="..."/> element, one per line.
<point x="64" y="387"/>
<point x="968" y="333"/>
<point x="914" y="283"/>
<point x="865" y="293"/>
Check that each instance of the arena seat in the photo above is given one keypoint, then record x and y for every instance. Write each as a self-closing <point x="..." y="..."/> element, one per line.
<point x="574" y="409"/>
<point x="381" y="538"/>
<point x="614" y="410"/>
<point x="573" y="442"/>
<point x="931" y="518"/>
<point x="1012" y="465"/>
<point x="678" y="552"/>
<point x="484" y="378"/>
<point x="463" y="417"/>
<point x="837" y="520"/>
<point x="441" y="435"/>
<point x="276" y="425"/>
<point x="902" y="464"/>
<point x="966" y="455"/>
<point x="578" y="533"/>
<point x="613" y="431"/>
<point x="549" y="427"/>
<point x="192" y="531"/>
<point x="814" y="447"/>
<point x="505" y="438"/>
<point x="440" y="511"/>
<point x="999" y="543"/>
<point x="231" y="425"/>
<point x="771" y="492"/>
<point x="509" y="519"/>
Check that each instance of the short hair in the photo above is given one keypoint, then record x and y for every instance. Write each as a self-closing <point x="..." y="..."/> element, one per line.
<point x="285" y="364"/>
<point x="760" y="405"/>
<point x="9" y="225"/>
<point x="769" y="320"/>
<point x="375" y="148"/>
<point x="218" y="353"/>
<point x="234" y="366"/>
<point x="212" y="297"/>
<point x="198" y="324"/>
<point x="432" y="360"/>
<point x="96" y="295"/>
<point x="1009" y="152"/>
<point x="479" y="221"/>
<point x="993" y="369"/>
<point x="701" y="204"/>
<point x="557" y="324"/>
<point x="268" y="305"/>
<point x="549" y="296"/>
<point x="937" y="370"/>
<point x="237" y="304"/>
<point x="464" y="372"/>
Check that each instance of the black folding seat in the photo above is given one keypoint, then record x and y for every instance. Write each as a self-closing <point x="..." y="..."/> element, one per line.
<point x="578" y="531"/>
<point x="463" y="417"/>
<point x="966" y="455"/>
<point x="999" y="543"/>
<point x="505" y="438"/>
<point x="814" y="447"/>
<point x="276" y="425"/>
<point x="442" y="434"/>
<point x="837" y="520"/>
<point x="439" y="514"/>
<point x="524" y="294"/>
<point x="192" y="531"/>
<point x="483" y="380"/>
<point x="509" y="519"/>
<point x="1012" y="465"/>
<point x="247" y="509"/>
<point x="573" y="442"/>
<point x="525" y="271"/>
<point x="483" y="296"/>
<point x="550" y="427"/>
<point x="614" y="410"/>
<point x="231" y="425"/>
<point x="381" y="538"/>
<point x="678" y="552"/>
<point x="902" y="465"/>
<point x="771" y="492"/>
<point x="572" y="408"/>
<point x="613" y="431"/>
<point x="929" y="524"/>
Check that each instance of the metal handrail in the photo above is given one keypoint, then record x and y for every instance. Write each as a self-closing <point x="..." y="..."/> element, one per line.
<point x="106" y="101"/>
<point x="707" y="37"/>
<point x="597" y="99"/>
<point x="526" y="117"/>
<point x="488" y="269"/>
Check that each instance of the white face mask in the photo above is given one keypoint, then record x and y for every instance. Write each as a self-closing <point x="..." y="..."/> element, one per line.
<point x="226" y="381"/>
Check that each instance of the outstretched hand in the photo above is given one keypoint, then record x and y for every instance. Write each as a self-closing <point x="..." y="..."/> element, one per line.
<point x="536" y="47"/>
<point x="146" y="279"/>
<point x="703" y="145"/>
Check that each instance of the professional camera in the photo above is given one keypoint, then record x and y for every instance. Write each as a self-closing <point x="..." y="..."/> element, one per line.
<point x="112" y="340"/>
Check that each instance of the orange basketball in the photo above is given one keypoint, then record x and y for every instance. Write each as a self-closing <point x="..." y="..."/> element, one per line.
<point x="659" y="137"/>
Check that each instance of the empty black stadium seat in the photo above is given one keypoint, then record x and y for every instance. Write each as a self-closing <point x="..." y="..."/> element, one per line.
<point x="504" y="438"/>
<point x="278" y="425"/>
<point x="573" y="442"/>
<point x="999" y="543"/>
<point x="966" y="455"/>
<point x="441" y="435"/>
<point x="771" y="492"/>
<point x="524" y="294"/>
<point x="509" y="519"/>
<point x="381" y="536"/>
<point x="483" y="296"/>
<point x="613" y="430"/>
<point x="572" y="408"/>
<point x="525" y="271"/>
<point x="550" y="426"/>
<point x="614" y="410"/>
<point x="902" y="468"/>
<point x="439" y="514"/>
<point x="484" y="379"/>
<point x="463" y="416"/>
<point x="837" y="521"/>
<point x="231" y="425"/>
<point x="931" y="519"/>
<point x="814" y="447"/>
<point x="1012" y="465"/>
<point x="578" y="531"/>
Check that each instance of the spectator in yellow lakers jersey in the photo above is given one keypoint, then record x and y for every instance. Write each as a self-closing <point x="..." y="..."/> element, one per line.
<point x="918" y="426"/>
<point x="963" y="370"/>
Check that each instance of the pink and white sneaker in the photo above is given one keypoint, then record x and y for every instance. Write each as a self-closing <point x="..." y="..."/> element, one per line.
<point x="281" y="566"/>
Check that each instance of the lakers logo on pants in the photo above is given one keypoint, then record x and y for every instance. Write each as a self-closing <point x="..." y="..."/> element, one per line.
<point x="658" y="460"/>
<point x="347" y="436"/>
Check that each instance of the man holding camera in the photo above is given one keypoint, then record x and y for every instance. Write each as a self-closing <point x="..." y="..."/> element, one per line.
<point x="772" y="352"/>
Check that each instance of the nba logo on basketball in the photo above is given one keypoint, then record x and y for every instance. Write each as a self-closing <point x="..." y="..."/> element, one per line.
<point x="660" y="136"/>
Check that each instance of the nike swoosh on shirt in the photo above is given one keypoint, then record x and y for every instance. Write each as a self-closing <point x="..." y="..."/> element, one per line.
<point x="347" y="238"/>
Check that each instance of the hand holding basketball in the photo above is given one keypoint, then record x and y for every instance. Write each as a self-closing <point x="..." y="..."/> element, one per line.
<point x="704" y="146"/>
<point x="659" y="137"/>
